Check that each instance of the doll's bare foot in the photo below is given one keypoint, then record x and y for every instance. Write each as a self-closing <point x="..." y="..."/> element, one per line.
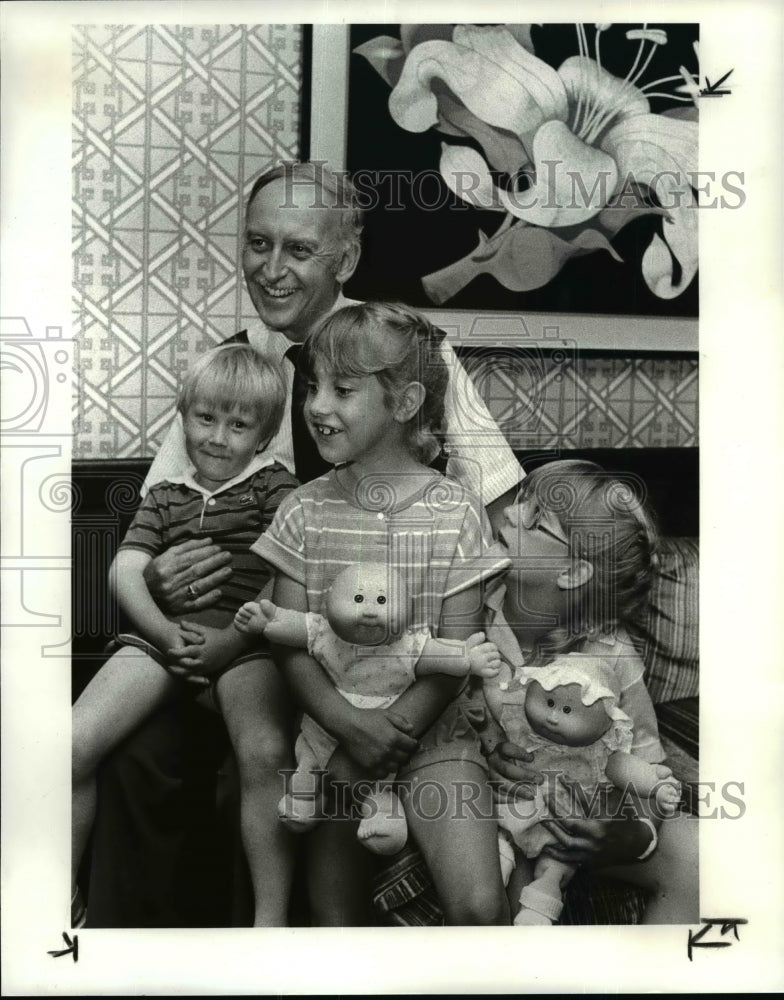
<point x="383" y="829"/>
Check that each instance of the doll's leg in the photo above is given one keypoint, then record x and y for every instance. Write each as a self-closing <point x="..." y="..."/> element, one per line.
<point x="671" y="873"/>
<point x="302" y="807"/>
<point x="383" y="829"/>
<point x="450" y="814"/>
<point x="541" y="901"/>
<point x="257" y="712"/>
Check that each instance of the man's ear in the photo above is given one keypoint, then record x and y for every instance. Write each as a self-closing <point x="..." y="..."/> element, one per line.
<point x="577" y="574"/>
<point x="347" y="264"/>
<point x="411" y="399"/>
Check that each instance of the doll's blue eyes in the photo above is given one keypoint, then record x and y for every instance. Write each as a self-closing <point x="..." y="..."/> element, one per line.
<point x="359" y="598"/>
<point x="381" y="599"/>
<point x="566" y="709"/>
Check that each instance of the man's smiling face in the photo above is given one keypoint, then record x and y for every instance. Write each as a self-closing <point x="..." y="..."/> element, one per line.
<point x="293" y="257"/>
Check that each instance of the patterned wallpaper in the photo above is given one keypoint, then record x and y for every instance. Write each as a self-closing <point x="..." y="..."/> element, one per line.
<point x="170" y="126"/>
<point x="562" y="400"/>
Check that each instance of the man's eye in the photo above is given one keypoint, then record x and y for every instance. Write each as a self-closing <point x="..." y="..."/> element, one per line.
<point x="300" y="251"/>
<point x="566" y="710"/>
<point x="381" y="599"/>
<point x="257" y="243"/>
<point x="358" y="598"/>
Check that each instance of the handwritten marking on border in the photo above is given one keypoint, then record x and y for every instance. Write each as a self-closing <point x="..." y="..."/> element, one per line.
<point x="725" y="923"/>
<point x="72" y="949"/>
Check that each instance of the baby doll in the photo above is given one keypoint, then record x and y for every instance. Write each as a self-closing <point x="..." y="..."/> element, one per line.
<point x="366" y="648"/>
<point x="567" y="715"/>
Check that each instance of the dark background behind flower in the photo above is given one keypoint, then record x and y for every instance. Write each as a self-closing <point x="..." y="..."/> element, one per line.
<point x="405" y="241"/>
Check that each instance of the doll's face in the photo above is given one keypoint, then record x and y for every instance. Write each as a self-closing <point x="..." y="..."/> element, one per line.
<point x="367" y="605"/>
<point x="560" y="716"/>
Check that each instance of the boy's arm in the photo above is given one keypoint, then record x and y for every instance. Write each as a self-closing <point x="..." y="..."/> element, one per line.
<point x="126" y="583"/>
<point x="377" y="741"/>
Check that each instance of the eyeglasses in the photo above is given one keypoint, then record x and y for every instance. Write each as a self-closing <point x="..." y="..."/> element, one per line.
<point x="529" y="513"/>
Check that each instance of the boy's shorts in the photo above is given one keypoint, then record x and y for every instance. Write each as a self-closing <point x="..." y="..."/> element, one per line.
<point x="195" y="683"/>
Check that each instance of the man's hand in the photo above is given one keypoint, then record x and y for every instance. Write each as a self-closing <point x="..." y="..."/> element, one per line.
<point x="203" y="650"/>
<point x="187" y="577"/>
<point x="511" y="778"/>
<point x="379" y="741"/>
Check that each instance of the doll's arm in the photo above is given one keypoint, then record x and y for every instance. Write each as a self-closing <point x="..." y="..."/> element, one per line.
<point x="282" y="625"/>
<point x="645" y="779"/>
<point x="453" y="656"/>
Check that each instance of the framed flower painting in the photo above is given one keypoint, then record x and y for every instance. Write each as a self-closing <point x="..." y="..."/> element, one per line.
<point x="532" y="169"/>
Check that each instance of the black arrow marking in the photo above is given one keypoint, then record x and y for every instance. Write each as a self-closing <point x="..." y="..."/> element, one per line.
<point x="72" y="949"/>
<point x="712" y="89"/>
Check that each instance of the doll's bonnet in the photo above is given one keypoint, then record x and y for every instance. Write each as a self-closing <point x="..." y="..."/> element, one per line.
<point x="597" y="680"/>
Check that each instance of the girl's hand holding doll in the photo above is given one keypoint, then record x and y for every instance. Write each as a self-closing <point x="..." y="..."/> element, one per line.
<point x="512" y="779"/>
<point x="598" y="842"/>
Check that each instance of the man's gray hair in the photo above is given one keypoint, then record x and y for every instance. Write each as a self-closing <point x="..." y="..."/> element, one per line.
<point x="331" y="189"/>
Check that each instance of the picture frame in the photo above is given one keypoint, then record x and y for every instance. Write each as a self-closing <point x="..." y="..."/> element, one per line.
<point x="329" y="62"/>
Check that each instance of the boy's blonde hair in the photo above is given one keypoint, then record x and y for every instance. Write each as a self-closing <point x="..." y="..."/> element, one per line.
<point x="237" y="375"/>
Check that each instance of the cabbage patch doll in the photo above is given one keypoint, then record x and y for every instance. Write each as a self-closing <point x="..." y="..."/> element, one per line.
<point x="364" y="644"/>
<point x="566" y="714"/>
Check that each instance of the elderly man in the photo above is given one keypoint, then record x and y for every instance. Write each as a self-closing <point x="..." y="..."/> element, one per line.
<point x="301" y="244"/>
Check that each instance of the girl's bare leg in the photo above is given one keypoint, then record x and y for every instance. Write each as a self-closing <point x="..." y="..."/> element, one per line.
<point x="126" y="689"/>
<point x="670" y="873"/>
<point x="340" y="869"/>
<point x="258" y="714"/>
<point x="449" y="812"/>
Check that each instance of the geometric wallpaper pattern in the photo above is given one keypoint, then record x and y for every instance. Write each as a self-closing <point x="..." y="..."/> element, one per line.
<point x="590" y="402"/>
<point x="171" y="124"/>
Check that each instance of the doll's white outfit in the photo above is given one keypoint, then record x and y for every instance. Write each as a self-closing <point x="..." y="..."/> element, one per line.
<point x="521" y="820"/>
<point x="366" y="676"/>
<point x="584" y="765"/>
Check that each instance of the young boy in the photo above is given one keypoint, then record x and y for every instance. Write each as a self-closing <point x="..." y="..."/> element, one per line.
<point x="232" y="402"/>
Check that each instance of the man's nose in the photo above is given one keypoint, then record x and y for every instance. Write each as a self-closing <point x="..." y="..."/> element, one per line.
<point x="274" y="264"/>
